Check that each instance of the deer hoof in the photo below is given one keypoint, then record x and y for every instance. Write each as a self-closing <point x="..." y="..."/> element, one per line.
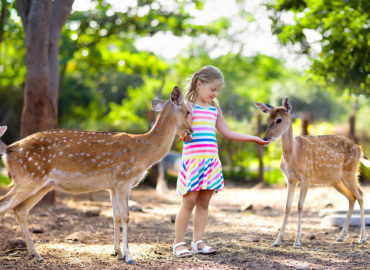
<point x="38" y="258"/>
<point x="339" y="240"/>
<point x="275" y="244"/>
<point x="297" y="245"/>
<point x="132" y="262"/>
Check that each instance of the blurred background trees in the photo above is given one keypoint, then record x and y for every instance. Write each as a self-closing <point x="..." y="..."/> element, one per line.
<point x="107" y="82"/>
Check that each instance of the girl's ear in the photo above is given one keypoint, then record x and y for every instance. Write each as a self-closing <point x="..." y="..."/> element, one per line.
<point x="176" y="96"/>
<point x="158" y="105"/>
<point x="199" y="83"/>
<point x="266" y="108"/>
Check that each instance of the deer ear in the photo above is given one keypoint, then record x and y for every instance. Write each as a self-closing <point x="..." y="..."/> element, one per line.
<point x="158" y="105"/>
<point x="266" y="108"/>
<point x="2" y="130"/>
<point x="176" y="96"/>
<point x="286" y="104"/>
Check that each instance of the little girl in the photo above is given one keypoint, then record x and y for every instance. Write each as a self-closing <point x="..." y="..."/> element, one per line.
<point x="201" y="172"/>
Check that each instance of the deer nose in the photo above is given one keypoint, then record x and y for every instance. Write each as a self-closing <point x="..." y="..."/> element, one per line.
<point x="190" y="131"/>
<point x="265" y="139"/>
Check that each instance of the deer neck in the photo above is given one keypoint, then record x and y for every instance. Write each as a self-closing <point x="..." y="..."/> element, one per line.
<point x="160" y="137"/>
<point x="287" y="143"/>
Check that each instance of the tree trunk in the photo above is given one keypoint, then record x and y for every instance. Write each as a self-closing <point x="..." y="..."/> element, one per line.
<point x="42" y="22"/>
<point x="3" y="17"/>
<point x="306" y="119"/>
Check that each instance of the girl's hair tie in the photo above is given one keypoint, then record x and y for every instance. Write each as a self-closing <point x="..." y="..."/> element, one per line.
<point x="197" y="74"/>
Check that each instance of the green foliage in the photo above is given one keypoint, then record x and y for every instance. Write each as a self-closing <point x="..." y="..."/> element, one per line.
<point x="101" y="68"/>
<point x="343" y="36"/>
<point x="4" y="180"/>
<point x="12" y="73"/>
<point x="131" y="114"/>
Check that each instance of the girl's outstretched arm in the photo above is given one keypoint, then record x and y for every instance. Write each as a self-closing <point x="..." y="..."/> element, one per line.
<point x="228" y="134"/>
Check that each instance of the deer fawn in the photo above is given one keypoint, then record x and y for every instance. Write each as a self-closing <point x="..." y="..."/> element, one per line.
<point x="83" y="161"/>
<point x="329" y="160"/>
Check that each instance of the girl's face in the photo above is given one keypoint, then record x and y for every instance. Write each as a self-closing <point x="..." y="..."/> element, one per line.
<point x="207" y="92"/>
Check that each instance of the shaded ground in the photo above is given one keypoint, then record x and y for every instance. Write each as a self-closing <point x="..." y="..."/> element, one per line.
<point x="242" y="238"/>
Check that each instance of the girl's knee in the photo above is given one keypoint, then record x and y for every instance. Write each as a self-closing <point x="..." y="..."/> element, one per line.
<point x="189" y="200"/>
<point x="204" y="198"/>
<point x="202" y="204"/>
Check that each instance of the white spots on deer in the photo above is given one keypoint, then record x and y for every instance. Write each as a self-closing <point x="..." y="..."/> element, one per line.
<point x="83" y="151"/>
<point x="125" y="172"/>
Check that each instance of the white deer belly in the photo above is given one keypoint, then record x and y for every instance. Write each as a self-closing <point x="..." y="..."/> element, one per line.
<point x="77" y="182"/>
<point x="314" y="172"/>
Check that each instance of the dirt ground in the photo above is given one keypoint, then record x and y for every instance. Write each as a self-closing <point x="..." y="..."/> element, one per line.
<point x="242" y="237"/>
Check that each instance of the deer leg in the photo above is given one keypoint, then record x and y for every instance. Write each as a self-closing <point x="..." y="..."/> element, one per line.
<point x="359" y="197"/>
<point x="302" y="197"/>
<point x="21" y="212"/>
<point x="123" y="196"/>
<point x="116" y="221"/>
<point x="357" y="193"/>
<point x="16" y="196"/>
<point x="161" y="186"/>
<point x="351" y="202"/>
<point x="291" y="188"/>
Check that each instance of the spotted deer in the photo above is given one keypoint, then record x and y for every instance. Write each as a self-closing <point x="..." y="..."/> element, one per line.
<point x="331" y="160"/>
<point x="76" y="161"/>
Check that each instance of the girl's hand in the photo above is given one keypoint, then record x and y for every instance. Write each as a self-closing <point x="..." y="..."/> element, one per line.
<point x="262" y="142"/>
<point x="186" y="138"/>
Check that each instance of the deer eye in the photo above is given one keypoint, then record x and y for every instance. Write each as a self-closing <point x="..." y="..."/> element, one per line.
<point x="187" y="112"/>
<point x="278" y="121"/>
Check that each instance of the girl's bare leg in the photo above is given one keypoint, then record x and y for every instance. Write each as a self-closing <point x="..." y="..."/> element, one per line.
<point x="201" y="215"/>
<point x="183" y="217"/>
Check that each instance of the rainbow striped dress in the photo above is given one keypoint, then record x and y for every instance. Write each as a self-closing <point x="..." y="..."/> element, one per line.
<point x="201" y="167"/>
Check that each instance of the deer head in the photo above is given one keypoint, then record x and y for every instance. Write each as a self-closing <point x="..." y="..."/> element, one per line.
<point x="177" y="108"/>
<point x="279" y="119"/>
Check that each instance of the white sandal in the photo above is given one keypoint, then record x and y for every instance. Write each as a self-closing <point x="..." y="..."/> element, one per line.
<point x="205" y="250"/>
<point x="181" y="253"/>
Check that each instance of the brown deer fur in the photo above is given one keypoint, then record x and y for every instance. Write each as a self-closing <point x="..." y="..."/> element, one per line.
<point x="83" y="161"/>
<point x="331" y="160"/>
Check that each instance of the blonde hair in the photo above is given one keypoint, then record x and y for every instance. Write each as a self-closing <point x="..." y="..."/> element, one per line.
<point x="206" y="74"/>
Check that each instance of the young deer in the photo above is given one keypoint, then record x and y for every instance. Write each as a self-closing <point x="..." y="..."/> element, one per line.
<point x="84" y="161"/>
<point x="308" y="160"/>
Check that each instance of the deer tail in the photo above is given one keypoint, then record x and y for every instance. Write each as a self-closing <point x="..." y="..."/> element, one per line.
<point x="3" y="146"/>
<point x="364" y="160"/>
